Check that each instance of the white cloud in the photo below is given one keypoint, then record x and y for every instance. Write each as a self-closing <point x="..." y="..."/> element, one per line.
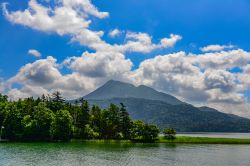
<point x="34" y="52"/>
<point x="41" y="72"/>
<point x="71" y="17"/>
<point x="216" y="47"/>
<point x="114" y="33"/>
<point x="43" y="76"/>
<point x="170" y="42"/>
<point x="86" y="6"/>
<point x="26" y="91"/>
<point x="222" y="60"/>
<point x="100" y="64"/>
<point x="142" y="43"/>
<point x="244" y="78"/>
<point x="179" y="74"/>
<point x="219" y="79"/>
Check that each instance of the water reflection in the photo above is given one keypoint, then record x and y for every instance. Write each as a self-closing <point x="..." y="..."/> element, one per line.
<point x="113" y="154"/>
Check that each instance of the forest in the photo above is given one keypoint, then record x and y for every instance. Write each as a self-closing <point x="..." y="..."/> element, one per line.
<point x="51" y="118"/>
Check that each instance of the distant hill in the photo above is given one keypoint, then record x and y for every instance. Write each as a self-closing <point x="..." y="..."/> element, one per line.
<point x="145" y="103"/>
<point x="119" y="89"/>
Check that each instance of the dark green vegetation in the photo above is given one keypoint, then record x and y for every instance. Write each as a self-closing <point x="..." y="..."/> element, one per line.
<point x="146" y="104"/>
<point x="51" y="119"/>
<point x="169" y="133"/>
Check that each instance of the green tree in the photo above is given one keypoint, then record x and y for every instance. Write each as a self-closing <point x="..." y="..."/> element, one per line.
<point x="61" y="128"/>
<point x="13" y="129"/>
<point x="43" y="117"/>
<point x="144" y="132"/>
<point x="3" y="103"/>
<point x="82" y="119"/>
<point x="29" y="128"/>
<point x="150" y="132"/>
<point x="125" y="122"/>
<point x="137" y="130"/>
<point x="90" y="133"/>
<point x="56" y="101"/>
<point x="111" y="123"/>
<point x="169" y="133"/>
<point x="57" y="97"/>
<point x="96" y="118"/>
<point x="3" y="98"/>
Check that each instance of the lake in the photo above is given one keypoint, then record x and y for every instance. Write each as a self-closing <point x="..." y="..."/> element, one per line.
<point x="122" y="154"/>
<point x="215" y="135"/>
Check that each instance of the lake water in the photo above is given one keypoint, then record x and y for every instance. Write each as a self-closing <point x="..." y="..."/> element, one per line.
<point x="121" y="154"/>
<point x="216" y="135"/>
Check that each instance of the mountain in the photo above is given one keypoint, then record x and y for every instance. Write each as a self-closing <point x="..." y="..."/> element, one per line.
<point x="113" y="89"/>
<point x="149" y="105"/>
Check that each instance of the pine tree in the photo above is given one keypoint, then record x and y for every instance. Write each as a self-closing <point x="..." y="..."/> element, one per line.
<point x="125" y="122"/>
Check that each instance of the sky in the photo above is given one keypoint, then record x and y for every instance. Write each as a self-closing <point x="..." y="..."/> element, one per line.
<point x="197" y="50"/>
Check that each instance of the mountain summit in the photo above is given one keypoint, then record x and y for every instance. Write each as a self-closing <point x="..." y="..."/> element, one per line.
<point x="117" y="89"/>
<point x="151" y="106"/>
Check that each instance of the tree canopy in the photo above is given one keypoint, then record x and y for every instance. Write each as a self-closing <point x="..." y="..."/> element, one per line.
<point x="52" y="119"/>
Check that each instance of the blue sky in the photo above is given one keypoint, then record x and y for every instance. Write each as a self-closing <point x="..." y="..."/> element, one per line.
<point x="200" y="23"/>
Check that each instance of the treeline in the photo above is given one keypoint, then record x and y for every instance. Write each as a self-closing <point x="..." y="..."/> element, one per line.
<point x="50" y="118"/>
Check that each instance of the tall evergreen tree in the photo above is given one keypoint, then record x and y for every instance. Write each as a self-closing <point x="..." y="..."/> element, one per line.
<point x="95" y="118"/>
<point x="82" y="119"/>
<point x="57" y="101"/>
<point x="57" y="97"/>
<point x="125" y="122"/>
<point x="111" y="122"/>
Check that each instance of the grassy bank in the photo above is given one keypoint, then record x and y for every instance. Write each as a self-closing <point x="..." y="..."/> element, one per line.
<point x="178" y="140"/>
<point x="204" y="140"/>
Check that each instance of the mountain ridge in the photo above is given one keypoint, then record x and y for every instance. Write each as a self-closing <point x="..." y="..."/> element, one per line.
<point x="113" y="89"/>
<point x="145" y="103"/>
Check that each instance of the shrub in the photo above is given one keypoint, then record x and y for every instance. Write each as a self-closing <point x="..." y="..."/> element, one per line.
<point x="169" y="133"/>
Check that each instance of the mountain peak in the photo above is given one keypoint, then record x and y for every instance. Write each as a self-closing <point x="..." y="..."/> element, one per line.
<point x="118" y="89"/>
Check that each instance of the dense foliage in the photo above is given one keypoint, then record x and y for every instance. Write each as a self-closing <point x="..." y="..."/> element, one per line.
<point x="50" y="118"/>
<point x="169" y="133"/>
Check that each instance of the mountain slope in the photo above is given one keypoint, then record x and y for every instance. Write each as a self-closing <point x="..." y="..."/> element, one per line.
<point x="183" y="117"/>
<point x="117" y="89"/>
<point x="151" y="106"/>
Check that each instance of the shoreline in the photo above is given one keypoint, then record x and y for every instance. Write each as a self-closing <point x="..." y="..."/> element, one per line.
<point x="160" y="140"/>
<point x="204" y="140"/>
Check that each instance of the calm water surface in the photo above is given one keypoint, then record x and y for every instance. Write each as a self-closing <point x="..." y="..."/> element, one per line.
<point x="216" y="135"/>
<point x="118" y="154"/>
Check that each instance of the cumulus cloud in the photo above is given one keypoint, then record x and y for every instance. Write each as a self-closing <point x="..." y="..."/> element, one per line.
<point x="41" y="72"/>
<point x="100" y="64"/>
<point x="43" y="76"/>
<point x="114" y="33"/>
<point x="34" y="53"/>
<point x="26" y="91"/>
<point x="142" y="43"/>
<point x="222" y="60"/>
<point x="244" y="78"/>
<point x="216" y="47"/>
<point x="219" y="79"/>
<point x="180" y="74"/>
<point x="71" y="17"/>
